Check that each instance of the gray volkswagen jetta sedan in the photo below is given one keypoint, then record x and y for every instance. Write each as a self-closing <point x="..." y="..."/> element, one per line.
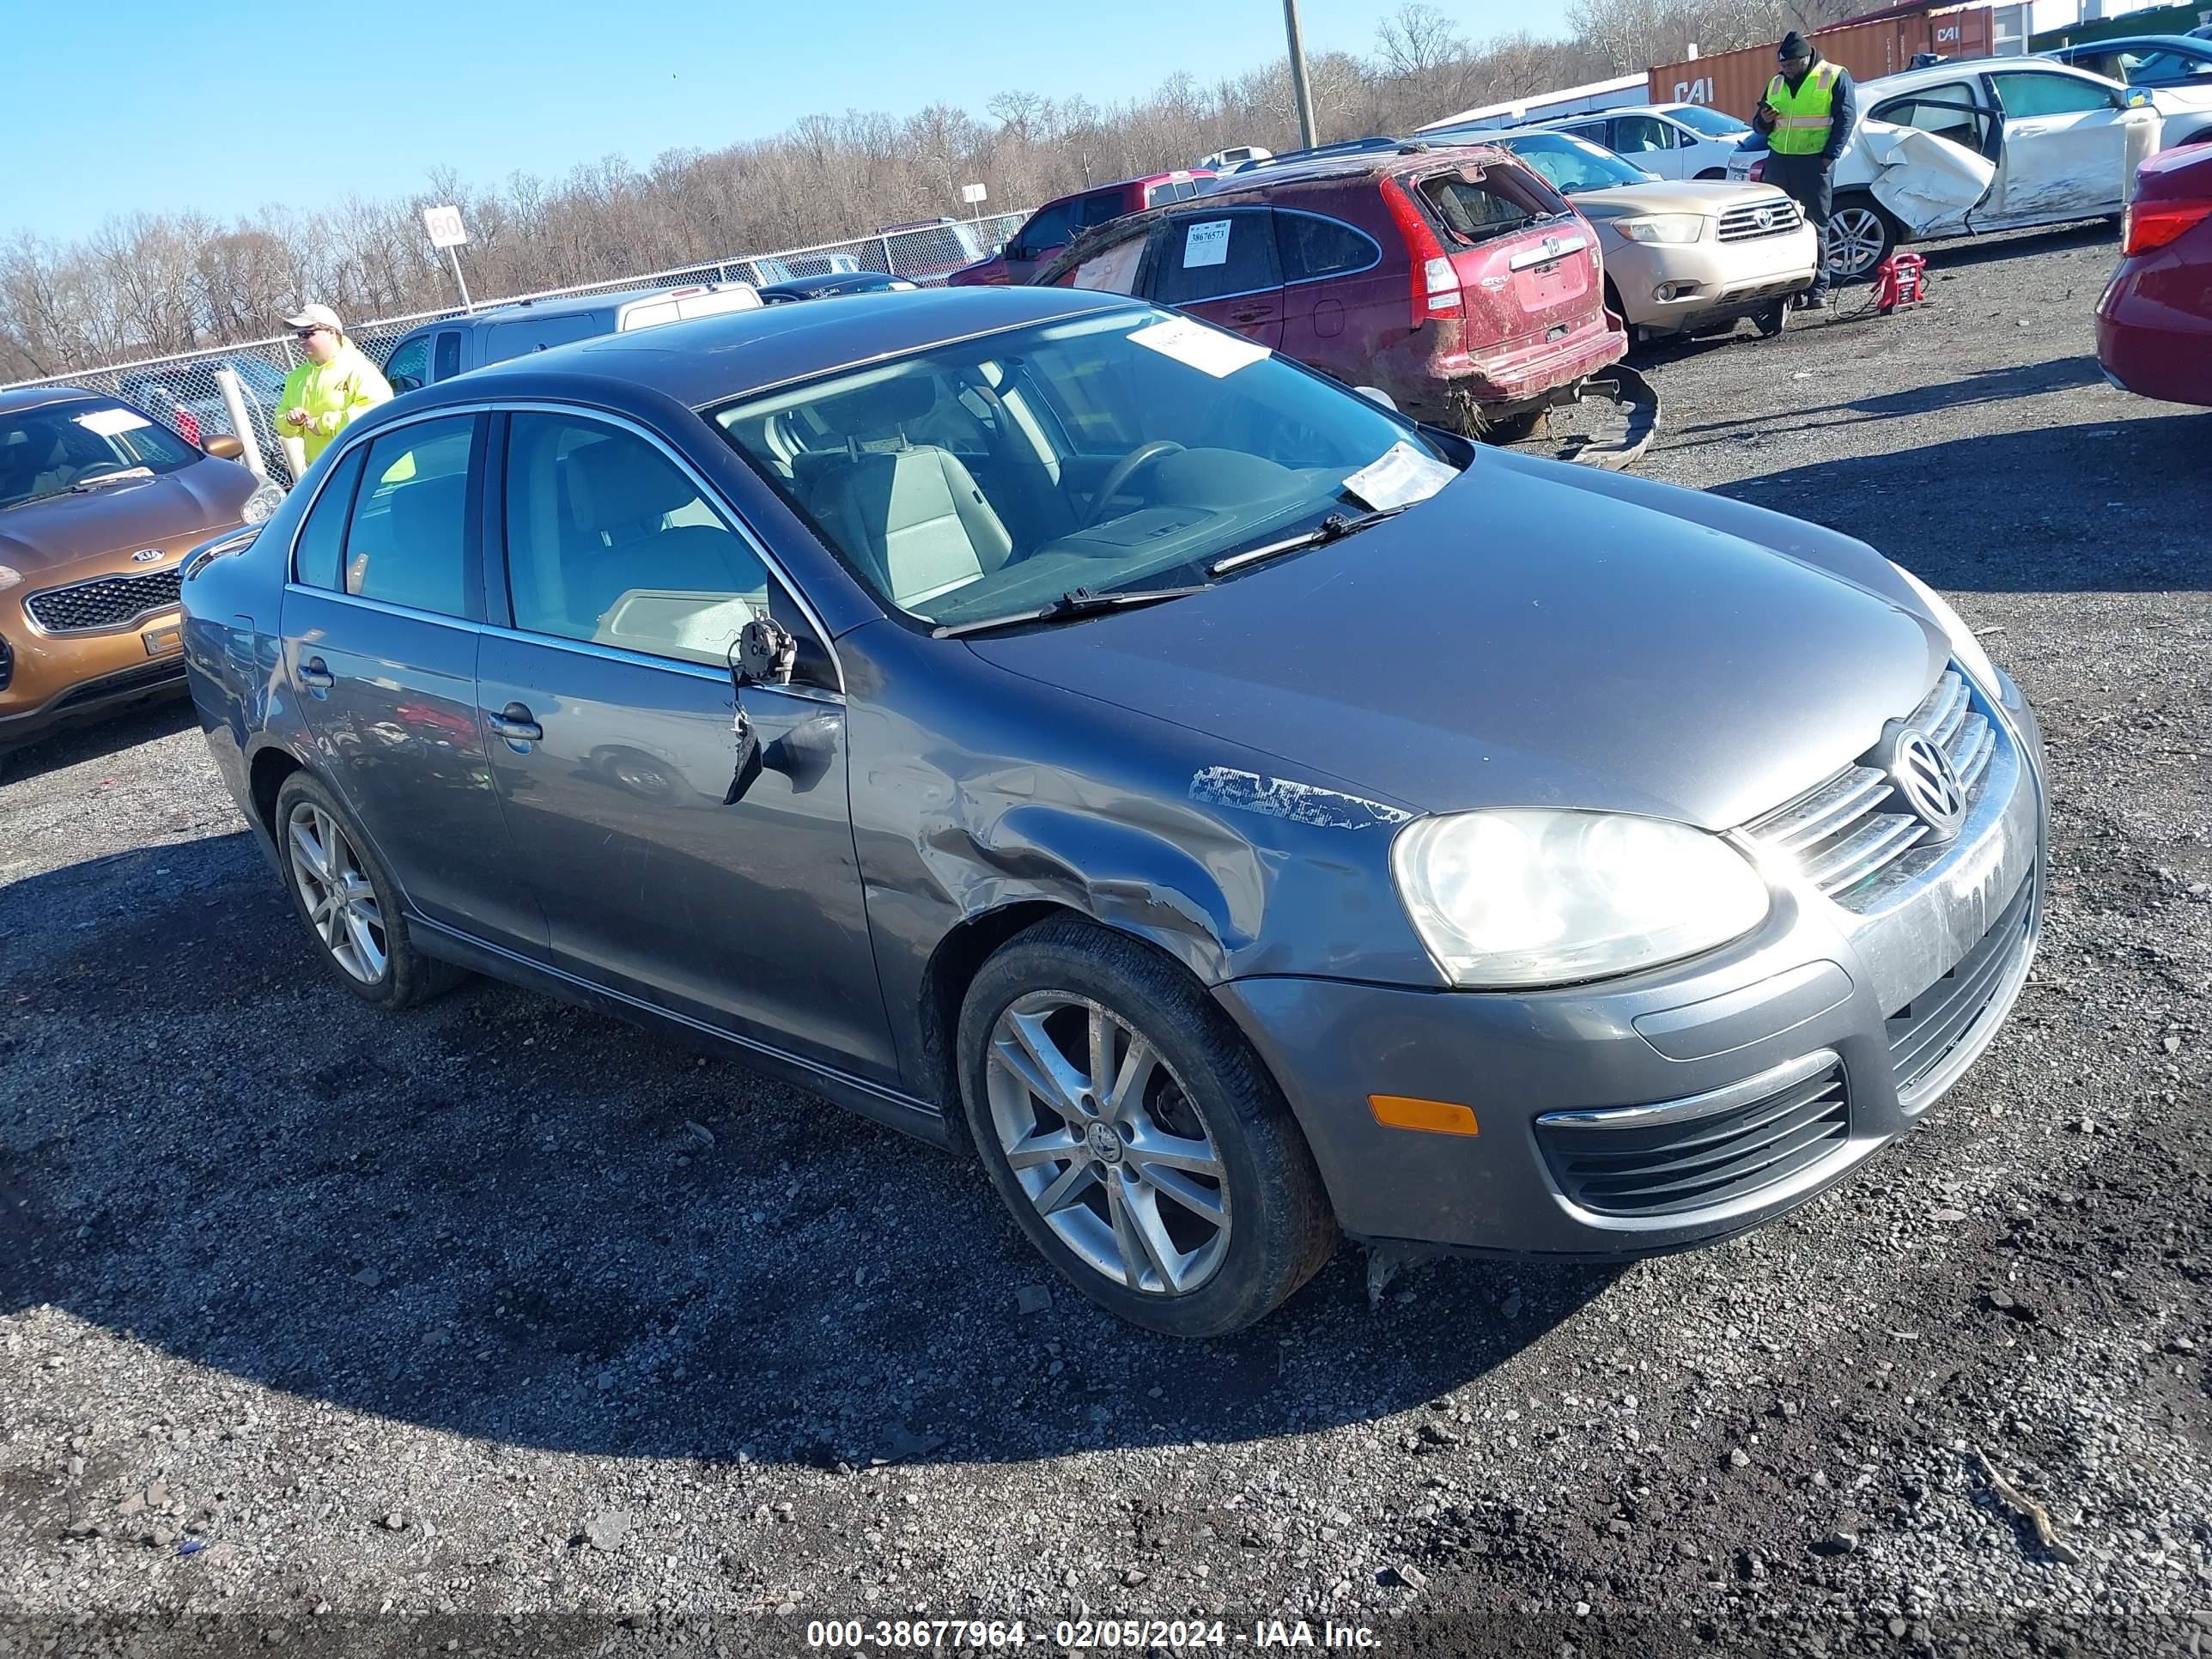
<point x="1234" y="813"/>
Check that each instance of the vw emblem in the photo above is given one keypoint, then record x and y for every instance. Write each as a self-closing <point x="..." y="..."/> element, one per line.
<point x="1922" y="776"/>
<point x="147" y="556"/>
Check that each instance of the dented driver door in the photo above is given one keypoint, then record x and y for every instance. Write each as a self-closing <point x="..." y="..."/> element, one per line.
<point x="608" y="710"/>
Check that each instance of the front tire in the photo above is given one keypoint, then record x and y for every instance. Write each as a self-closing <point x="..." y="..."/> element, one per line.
<point x="1860" y="235"/>
<point x="348" y="903"/>
<point x="1134" y="1134"/>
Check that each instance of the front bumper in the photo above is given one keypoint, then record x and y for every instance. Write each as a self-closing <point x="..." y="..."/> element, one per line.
<point x="1686" y="1104"/>
<point x="1711" y="282"/>
<point x="57" y="678"/>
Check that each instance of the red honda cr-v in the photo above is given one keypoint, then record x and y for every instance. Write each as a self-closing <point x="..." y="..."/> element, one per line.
<point x="1455" y="279"/>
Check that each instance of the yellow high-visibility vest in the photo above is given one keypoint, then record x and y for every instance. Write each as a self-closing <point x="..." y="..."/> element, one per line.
<point x="1802" y="119"/>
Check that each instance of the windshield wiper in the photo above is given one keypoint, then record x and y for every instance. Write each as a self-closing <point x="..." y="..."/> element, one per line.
<point x="1076" y="602"/>
<point x="129" y="475"/>
<point x="1333" y="528"/>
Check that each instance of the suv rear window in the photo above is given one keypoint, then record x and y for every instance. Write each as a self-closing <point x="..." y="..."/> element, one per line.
<point x="1497" y="203"/>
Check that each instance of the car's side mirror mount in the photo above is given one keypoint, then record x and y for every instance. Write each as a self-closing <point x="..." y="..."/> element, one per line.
<point x="764" y="654"/>
<point x="224" y="446"/>
<point x="1375" y="394"/>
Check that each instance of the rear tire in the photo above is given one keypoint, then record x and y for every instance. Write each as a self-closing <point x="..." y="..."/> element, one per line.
<point x="349" y="903"/>
<point x="1080" y="1051"/>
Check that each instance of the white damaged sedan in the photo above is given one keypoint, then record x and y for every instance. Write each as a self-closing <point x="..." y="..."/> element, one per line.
<point x="1963" y="149"/>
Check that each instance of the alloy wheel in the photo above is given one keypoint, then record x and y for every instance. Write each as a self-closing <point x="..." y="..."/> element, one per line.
<point x="1108" y="1144"/>
<point x="341" y="901"/>
<point x="1855" y="235"/>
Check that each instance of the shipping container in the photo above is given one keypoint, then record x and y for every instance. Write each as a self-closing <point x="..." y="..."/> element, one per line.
<point x="1734" y="81"/>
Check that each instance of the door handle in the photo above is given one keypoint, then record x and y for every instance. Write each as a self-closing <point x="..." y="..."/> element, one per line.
<point x="516" y="724"/>
<point x="315" y="674"/>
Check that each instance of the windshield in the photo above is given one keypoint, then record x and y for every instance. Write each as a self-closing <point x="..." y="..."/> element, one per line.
<point x="1100" y="454"/>
<point x="56" y="447"/>
<point x="1712" y="121"/>
<point x="1570" y="164"/>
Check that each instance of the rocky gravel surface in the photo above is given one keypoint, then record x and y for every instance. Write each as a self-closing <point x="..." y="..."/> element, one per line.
<point x="499" y="1327"/>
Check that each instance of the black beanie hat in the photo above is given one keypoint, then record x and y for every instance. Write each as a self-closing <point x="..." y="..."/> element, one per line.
<point x="1793" y="45"/>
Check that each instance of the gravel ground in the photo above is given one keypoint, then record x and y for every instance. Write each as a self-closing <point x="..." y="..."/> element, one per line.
<point x="507" y="1318"/>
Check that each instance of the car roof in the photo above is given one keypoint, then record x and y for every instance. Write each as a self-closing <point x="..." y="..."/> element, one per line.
<point x="710" y="360"/>
<point x="22" y="398"/>
<point x="1409" y="156"/>
<point x="1935" y="74"/>
<point x="561" y="305"/>
<point x="2118" y="42"/>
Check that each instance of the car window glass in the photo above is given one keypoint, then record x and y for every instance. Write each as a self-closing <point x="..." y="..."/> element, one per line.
<point x="1503" y="201"/>
<point x="408" y="366"/>
<point x="1210" y="256"/>
<point x="50" y="448"/>
<point x="322" y="536"/>
<point x="1714" y="123"/>
<point x="1114" y="270"/>
<point x="609" y="541"/>
<point x="407" y="543"/>
<point x="1568" y="164"/>
<point x="2163" y="66"/>
<point x="1049" y="228"/>
<point x="2048" y="94"/>
<point x="1099" y="207"/>
<point x="447" y="360"/>
<point x="1944" y="110"/>
<point x="1637" y="134"/>
<point x="504" y="340"/>
<point x="1309" y="245"/>
<point x="1244" y="446"/>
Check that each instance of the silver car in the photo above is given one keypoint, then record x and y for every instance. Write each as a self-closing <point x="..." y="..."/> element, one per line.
<point x="1088" y="740"/>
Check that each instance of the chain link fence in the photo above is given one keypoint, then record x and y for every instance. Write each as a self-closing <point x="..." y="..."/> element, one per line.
<point x="181" y="390"/>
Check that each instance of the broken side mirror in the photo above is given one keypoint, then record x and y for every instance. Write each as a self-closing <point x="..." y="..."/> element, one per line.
<point x="763" y="655"/>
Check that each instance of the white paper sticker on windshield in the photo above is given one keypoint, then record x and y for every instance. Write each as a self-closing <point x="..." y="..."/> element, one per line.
<point x="1402" y="477"/>
<point x="110" y="423"/>
<point x="1205" y="244"/>
<point x="1202" y="348"/>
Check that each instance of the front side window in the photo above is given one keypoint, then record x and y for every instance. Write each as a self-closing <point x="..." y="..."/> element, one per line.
<point x="1049" y="228"/>
<point x="410" y="365"/>
<point x="83" y="446"/>
<point x="1641" y="135"/>
<point x="407" y="540"/>
<point x="609" y="541"/>
<point x="1128" y="449"/>
<point x="1310" y="246"/>
<point x="319" y="555"/>
<point x="1212" y="255"/>
<point x="2023" y="95"/>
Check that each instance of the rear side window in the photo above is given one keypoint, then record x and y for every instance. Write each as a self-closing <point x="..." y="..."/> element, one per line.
<point x="504" y="340"/>
<point x="322" y="537"/>
<point x="1310" y="246"/>
<point x="446" y="360"/>
<point x="1098" y="208"/>
<point x="1212" y="255"/>
<point x="409" y="366"/>
<point x="407" y="540"/>
<point x="1945" y="110"/>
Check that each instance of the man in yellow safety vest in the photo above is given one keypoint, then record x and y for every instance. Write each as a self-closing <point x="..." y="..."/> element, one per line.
<point x="1807" y="115"/>
<point x="335" y="385"/>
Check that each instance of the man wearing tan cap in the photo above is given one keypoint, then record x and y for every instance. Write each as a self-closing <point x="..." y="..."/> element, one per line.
<point x="336" y="384"/>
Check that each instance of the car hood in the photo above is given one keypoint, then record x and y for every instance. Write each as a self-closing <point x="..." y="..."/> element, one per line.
<point x="63" y="530"/>
<point x="1709" y="196"/>
<point x="1535" y="634"/>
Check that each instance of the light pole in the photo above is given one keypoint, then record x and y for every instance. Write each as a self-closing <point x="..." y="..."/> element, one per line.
<point x="1299" y="90"/>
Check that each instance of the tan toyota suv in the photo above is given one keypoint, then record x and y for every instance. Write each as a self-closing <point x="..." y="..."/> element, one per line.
<point x="98" y="504"/>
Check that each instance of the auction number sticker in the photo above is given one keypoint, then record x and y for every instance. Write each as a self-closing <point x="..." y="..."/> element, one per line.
<point x="1211" y="350"/>
<point x="1205" y="244"/>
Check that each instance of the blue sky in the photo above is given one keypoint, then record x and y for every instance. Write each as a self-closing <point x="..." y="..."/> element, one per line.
<point x="158" y="105"/>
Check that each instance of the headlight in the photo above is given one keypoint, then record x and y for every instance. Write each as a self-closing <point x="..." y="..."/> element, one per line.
<point x="1672" y="228"/>
<point x="8" y="578"/>
<point x="1965" y="647"/>
<point x="1533" y="897"/>
<point x="268" y="495"/>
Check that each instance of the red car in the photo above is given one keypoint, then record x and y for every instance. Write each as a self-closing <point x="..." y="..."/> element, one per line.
<point x="1057" y="223"/>
<point x="2154" y="323"/>
<point x="1455" y="279"/>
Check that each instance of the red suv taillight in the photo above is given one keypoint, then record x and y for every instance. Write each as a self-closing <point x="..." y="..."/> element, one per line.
<point x="1435" y="284"/>
<point x="2147" y="226"/>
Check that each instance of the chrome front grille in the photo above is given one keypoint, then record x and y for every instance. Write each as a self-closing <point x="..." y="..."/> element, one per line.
<point x="1851" y="827"/>
<point x="103" y="602"/>
<point x="1742" y="224"/>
